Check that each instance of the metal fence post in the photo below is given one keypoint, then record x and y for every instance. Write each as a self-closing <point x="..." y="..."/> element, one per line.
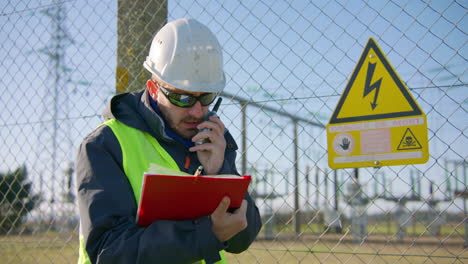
<point x="244" y="136"/>
<point x="297" y="210"/>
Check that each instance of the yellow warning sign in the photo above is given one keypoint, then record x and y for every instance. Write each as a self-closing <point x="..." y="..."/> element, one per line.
<point x="374" y="91"/>
<point x="376" y="122"/>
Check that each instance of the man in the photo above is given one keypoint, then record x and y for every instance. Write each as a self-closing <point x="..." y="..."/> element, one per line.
<point x="160" y="125"/>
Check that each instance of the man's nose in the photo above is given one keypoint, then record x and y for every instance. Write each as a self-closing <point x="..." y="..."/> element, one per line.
<point x="196" y="110"/>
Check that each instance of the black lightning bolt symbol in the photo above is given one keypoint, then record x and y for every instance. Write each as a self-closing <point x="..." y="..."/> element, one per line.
<point x="375" y="86"/>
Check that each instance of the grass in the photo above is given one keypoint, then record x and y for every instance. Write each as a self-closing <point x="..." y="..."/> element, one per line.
<point x="48" y="247"/>
<point x="60" y="247"/>
<point x="331" y="253"/>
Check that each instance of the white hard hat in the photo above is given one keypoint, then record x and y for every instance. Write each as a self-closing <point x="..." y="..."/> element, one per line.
<point x="186" y="54"/>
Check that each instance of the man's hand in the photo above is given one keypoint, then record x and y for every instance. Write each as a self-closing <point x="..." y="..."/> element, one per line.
<point x="224" y="224"/>
<point x="211" y="154"/>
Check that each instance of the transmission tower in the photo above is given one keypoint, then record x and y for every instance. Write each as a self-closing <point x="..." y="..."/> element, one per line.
<point x="53" y="142"/>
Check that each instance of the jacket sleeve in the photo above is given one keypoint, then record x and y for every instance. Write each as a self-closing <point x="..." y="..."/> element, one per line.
<point x="243" y="239"/>
<point x="107" y="214"/>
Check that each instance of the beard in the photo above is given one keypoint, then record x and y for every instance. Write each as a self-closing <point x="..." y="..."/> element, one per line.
<point x="178" y="121"/>
<point x="185" y="132"/>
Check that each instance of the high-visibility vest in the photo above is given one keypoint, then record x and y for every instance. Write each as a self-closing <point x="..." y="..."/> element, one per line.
<point x="137" y="155"/>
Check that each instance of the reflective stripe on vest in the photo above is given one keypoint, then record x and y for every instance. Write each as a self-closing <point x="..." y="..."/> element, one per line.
<point x="137" y="155"/>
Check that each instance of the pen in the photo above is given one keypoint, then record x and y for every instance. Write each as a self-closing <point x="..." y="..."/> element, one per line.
<point x="198" y="171"/>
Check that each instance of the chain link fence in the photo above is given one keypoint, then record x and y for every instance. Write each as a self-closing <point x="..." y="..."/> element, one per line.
<point x="287" y="62"/>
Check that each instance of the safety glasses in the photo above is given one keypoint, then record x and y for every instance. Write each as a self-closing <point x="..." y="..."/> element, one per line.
<point x="185" y="100"/>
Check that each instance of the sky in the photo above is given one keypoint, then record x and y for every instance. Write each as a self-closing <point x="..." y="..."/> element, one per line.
<point x="295" y="56"/>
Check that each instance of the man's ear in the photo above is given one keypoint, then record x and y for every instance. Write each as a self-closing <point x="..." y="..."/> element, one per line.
<point x="152" y="89"/>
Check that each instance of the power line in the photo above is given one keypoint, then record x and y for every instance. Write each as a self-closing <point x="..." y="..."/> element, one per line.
<point x="44" y="122"/>
<point x="35" y="8"/>
<point x="439" y="86"/>
<point x="337" y="94"/>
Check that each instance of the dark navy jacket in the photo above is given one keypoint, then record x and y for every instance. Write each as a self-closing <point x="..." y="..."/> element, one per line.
<point x="108" y="207"/>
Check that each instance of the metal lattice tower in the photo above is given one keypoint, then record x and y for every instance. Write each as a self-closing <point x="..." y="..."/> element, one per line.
<point x="55" y="99"/>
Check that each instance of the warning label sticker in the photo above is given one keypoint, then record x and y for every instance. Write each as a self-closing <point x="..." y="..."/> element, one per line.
<point x="344" y="144"/>
<point x="409" y="141"/>
<point x="399" y="141"/>
<point x="376" y="141"/>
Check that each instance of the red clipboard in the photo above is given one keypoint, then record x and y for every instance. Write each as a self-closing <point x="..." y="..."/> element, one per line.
<point x="173" y="197"/>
